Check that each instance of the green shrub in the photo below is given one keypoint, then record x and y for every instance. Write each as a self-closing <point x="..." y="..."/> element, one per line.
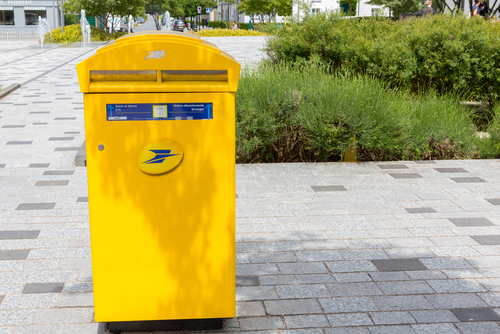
<point x="489" y="141"/>
<point x="219" y="24"/>
<point x="440" y="52"/>
<point x="73" y="33"/>
<point x="304" y="114"/>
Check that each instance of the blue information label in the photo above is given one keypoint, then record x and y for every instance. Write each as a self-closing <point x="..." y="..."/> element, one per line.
<point x="159" y="111"/>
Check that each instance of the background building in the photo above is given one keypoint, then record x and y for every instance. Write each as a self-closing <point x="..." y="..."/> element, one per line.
<point x="22" y="15"/>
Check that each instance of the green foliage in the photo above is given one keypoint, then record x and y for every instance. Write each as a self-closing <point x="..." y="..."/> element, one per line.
<point x="443" y="52"/>
<point x="489" y="142"/>
<point x="398" y="7"/>
<point x="271" y="8"/>
<point x="302" y="113"/>
<point x="73" y="33"/>
<point x="349" y="7"/>
<point x="227" y="25"/>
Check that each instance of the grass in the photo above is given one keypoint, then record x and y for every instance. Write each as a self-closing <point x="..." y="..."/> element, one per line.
<point x="227" y="33"/>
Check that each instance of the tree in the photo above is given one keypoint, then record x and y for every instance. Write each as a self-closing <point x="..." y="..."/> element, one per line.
<point x="157" y="8"/>
<point x="269" y="8"/>
<point x="398" y="7"/>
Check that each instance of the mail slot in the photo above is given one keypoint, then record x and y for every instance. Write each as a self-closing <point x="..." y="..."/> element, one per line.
<point x="160" y="140"/>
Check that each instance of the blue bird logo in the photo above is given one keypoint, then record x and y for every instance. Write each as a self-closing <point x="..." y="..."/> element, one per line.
<point x="160" y="156"/>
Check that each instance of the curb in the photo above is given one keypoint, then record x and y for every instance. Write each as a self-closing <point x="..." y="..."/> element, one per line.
<point x="8" y="90"/>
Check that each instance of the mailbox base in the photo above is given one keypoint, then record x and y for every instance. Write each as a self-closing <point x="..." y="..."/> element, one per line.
<point x="165" y="325"/>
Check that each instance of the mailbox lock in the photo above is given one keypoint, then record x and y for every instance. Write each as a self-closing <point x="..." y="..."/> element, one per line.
<point x="100" y="147"/>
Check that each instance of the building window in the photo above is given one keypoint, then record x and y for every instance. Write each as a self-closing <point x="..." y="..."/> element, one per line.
<point x="32" y="13"/>
<point x="315" y="10"/>
<point x="6" y="16"/>
<point x="375" y="11"/>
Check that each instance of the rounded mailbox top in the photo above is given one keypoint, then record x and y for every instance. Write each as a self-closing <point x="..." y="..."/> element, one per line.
<point x="159" y="61"/>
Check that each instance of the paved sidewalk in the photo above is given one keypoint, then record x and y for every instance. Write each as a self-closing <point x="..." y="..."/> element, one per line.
<point x="331" y="248"/>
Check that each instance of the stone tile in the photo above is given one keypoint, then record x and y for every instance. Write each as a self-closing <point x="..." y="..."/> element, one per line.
<point x="446" y="263"/>
<point x="399" y="265"/>
<point x="28" y="234"/>
<point x="39" y="165"/>
<point x="56" y="183"/>
<point x="324" y="255"/>
<point x="347" y="330"/>
<point x="249" y="309"/>
<point x="484" y="261"/>
<point x="420" y="210"/>
<point x="349" y="319"/>
<point x="284" y="307"/>
<point x="303" y="268"/>
<point x="30" y="301"/>
<point x="35" y="206"/>
<point x="347" y="305"/>
<point x="17" y="317"/>
<point x="82" y="199"/>
<point x="314" y="278"/>
<point x="450" y="301"/>
<point x="451" y="170"/>
<point x="450" y="286"/>
<point x="467" y="179"/>
<point x="328" y="188"/>
<point x="76" y="300"/>
<point x="58" y="172"/>
<point x="43" y="288"/>
<point x="261" y="323"/>
<point x="302" y="291"/>
<point x="402" y="303"/>
<point x="471" y="221"/>
<point x="250" y="293"/>
<point x="60" y="138"/>
<point x="392" y="318"/>
<point x="93" y="328"/>
<point x="306" y="321"/>
<point x="494" y="201"/>
<point x="78" y="287"/>
<point x="435" y="329"/>
<point x="273" y="257"/>
<point x="434" y="316"/>
<point x="278" y="280"/>
<point x="350" y="266"/>
<point x="14" y="254"/>
<point x="479" y="327"/>
<point x="41" y="329"/>
<point x="393" y="166"/>
<point x="404" y="287"/>
<point x="487" y="239"/>
<point x="426" y="274"/>
<point x="492" y="299"/>
<point x="389" y="276"/>
<point x="256" y="269"/>
<point x="352" y="277"/>
<point x="354" y="289"/>
<point x="398" y="329"/>
<point x="65" y="315"/>
<point x="19" y="142"/>
<point x="399" y="176"/>
<point x="475" y="314"/>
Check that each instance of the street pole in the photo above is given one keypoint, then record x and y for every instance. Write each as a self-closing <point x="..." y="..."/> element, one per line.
<point x="53" y="15"/>
<point x="62" y="17"/>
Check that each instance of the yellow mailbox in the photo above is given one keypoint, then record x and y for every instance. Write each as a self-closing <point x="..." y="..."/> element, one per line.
<point x="160" y="137"/>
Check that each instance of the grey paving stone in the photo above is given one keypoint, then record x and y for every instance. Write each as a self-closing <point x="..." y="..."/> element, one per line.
<point x="278" y="280"/>
<point x="347" y="305"/>
<point x="92" y="328"/>
<point x="392" y="318"/>
<point x="314" y="278"/>
<point x="487" y="239"/>
<point x="406" y="176"/>
<point x="284" y="307"/>
<point x="393" y="166"/>
<point x="29" y="234"/>
<point x="328" y="188"/>
<point x="43" y="288"/>
<point x="443" y="263"/>
<point x="306" y="321"/>
<point x="64" y="149"/>
<point x="435" y="329"/>
<point x="347" y="330"/>
<point x="17" y="317"/>
<point x="389" y="276"/>
<point x="352" y="277"/>
<point x="449" y="286"/>
<point x="420" y="210"/>
<point x="451" y="301"/>
<point x="250" y="309"/>
<point x="273" y="257"/>
<point x="434" y="316"/>
<point x="247" y="281"/>
<point x="492" y="299"/>
<point x="58" y="172"/>
<point x="475" y="314"/>
<point x="76" y="300"/>
<point x="61" y="138"/>
<point x="64" y="118"/>
<point x="36" y="206"/>
<point x="303" y="331"/>
<point x="479" y="327"/>
<point x="78" y="287"/>
<point x="14" y="254"/>
<point x="350" y="266"/>
<point x="398" y="329"/>
<point x="302" y="291"/>
<point x="82" y="199"/>
<point x="261" y="323"/>
<point x="426" y="274"/>
<point x="354" y="289"/>
<point x="404" y="287"/>
<point x="399" y="265"/>
<point x="467" y="179"/>
<point x="349" y="319"/>
<point x="494" y="201"/>
<point x="451" y="170"/>
<point x="13" y="126"/>
<point x="471" y="221"/>
<point x="402" y="303"/>
<point x="303" y="268"/>
<point x="55" y="183"/>
<point x="30" y="301"/>
<point x="324" y="255"/>
<point x="250" y="293"/>
<point x="74" y="315"/>
<point x="41" y="329"/>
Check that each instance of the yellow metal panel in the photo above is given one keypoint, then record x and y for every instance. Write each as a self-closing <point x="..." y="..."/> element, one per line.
<point x="163" y="246"/>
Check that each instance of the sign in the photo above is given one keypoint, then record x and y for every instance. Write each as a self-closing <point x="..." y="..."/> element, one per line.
<point x="159" y="112"/>
<point x="160" y="157"/>
<point x="208" y="10"/>
<point x="199" y="9"/>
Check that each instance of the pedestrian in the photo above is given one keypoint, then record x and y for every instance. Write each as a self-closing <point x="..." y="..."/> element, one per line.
<point x="483" y="9"/>
<point x="427" y="10"/>
<point x="233" y="26"/>
<point x="475" y="8"/>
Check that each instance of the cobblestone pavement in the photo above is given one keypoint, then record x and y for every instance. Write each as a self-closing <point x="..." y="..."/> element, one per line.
<point x="353" y="248"/>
